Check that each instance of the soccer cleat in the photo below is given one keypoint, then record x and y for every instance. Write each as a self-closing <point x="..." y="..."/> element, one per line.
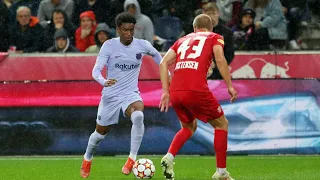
<point x="225" y="176"/>
<point x="167" y="167"/>
<point x="127" y="168"/>
<point x="85" y="168"/>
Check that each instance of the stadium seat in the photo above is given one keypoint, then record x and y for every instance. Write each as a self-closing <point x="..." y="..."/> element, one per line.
<point x="17" y="140"/>
<point x="39" y="134"/>
<point x="5" y="132"/>
<point x="168" y="28"/>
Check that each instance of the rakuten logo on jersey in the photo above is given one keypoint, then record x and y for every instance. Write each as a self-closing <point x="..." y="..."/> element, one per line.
<point x="187" y="65"/>
<point x="126" y="67"/>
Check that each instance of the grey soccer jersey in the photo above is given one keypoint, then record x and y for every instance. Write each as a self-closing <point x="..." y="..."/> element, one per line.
<point x="123" y="64"/>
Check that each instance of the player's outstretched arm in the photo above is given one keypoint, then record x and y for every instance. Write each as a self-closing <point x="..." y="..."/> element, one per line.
<point x="102" y="60"/>
<point x="167" y="60"/>
<point x="224" y="70"/>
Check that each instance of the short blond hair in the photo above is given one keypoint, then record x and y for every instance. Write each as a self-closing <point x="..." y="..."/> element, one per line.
<point x="202" y="21"/>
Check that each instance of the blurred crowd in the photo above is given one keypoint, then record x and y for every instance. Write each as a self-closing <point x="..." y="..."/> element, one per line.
<point x="84" y="25"/>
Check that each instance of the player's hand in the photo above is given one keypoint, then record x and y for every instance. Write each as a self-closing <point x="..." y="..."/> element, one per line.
<point x="110" y="82"/>
<point x="164" y="102"/>
<point x="233" y="93"/>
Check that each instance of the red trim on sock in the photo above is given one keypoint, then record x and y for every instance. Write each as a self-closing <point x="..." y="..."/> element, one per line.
<point x="220" y="147"/>
<point x="179" y="139"/>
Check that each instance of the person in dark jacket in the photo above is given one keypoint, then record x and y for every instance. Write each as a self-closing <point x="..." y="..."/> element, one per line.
<point x="62" y="43"/>
<point x="102" y="34"/>
<point x="60" y="20"/>
<point x="4" y="34"/>
<point x="26" y="34"/>
<point x="211" y="9"/>
<point x="243" y="32"/>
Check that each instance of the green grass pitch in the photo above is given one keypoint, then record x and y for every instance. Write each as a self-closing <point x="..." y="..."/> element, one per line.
<point x="186" y="168"/>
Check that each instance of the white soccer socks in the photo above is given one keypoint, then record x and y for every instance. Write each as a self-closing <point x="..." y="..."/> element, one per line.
<point x="94" y="141"/>
<point x="137" y="132"/>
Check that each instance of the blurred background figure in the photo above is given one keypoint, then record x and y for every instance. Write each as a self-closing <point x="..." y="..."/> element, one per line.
<point x="8" y="3"/>
<point x="59" y="20"/>
<point x="102" y="34"/>
<point x="211" y="9"/>
<point x="295" y="12"/>
<point x="62" y="43"/>
<point x="144" y="28"/>
<point x="230" y="11"/>
<point x="26" y="33"/>
<point x="48" y="6"/>
<point x="4" y="33"/>
<point x="101" y="8"/>
<point x="271" y="25"/>
<point x="33" y="5"/>
<point x="85" y="33"/>
<point x="243" y="31"/>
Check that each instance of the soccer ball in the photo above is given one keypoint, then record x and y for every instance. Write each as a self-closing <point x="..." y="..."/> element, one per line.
<point x="143" y="169"/>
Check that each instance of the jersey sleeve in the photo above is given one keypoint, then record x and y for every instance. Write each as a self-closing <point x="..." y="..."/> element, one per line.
<point x="174" y="47"/>
<point x="101" y="61"/>
<point x="218" y="40"/>
<point x="151" y="51"/>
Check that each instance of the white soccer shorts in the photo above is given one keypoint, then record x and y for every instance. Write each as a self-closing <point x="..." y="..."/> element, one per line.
<point x="109" y="108"/>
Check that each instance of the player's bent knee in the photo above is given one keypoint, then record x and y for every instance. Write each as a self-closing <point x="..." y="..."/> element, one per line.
<point x="223" y="123"/>
<point x="102" y="130"/>
<point x="98" y="135"/>
<point x="137" y="117"/>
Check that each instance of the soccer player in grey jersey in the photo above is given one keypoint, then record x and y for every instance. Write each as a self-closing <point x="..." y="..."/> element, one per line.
<point x="123" y="58"/>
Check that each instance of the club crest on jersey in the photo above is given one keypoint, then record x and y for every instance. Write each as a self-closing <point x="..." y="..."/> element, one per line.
<point x="138" y="56"/>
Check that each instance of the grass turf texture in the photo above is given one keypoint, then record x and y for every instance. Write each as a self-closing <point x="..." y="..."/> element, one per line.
<point x="186" y="168"/>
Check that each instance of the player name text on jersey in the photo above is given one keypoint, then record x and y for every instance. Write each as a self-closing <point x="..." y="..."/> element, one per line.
<point x="187" y="65"/>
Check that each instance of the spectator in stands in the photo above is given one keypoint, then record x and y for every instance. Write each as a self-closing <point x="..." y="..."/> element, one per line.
<point x="62" y="43"/>
<point x="144" y="28"/>
<point x="26" y="34"/>
<point x="101" y="8"/>
<point x="48" y="6"/>
<point x="60" y="21"/>
<point x="211" y="9"/>
<point x="33" y="5"/>
<point x="230" y="11"/>
<point x="244" y="30"/>
<point x="272" y="27"/>
<point x="103" y="33"/>
<point x="85" y="33"/>
<point x="294" y="11"/>
<point x="4" y="34"/>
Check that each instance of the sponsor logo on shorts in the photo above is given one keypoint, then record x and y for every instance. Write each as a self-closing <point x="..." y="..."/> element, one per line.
<point x="126" y="67"/>
<point x="187" y="65"/>
<point x="99" y="117"/>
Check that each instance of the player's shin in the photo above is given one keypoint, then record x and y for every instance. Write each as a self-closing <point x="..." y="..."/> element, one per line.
<point x="137" y="132"/>
<point x="179" y="139"/>
<point x="94" y="141"/>
<point x="220" y="147"/>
